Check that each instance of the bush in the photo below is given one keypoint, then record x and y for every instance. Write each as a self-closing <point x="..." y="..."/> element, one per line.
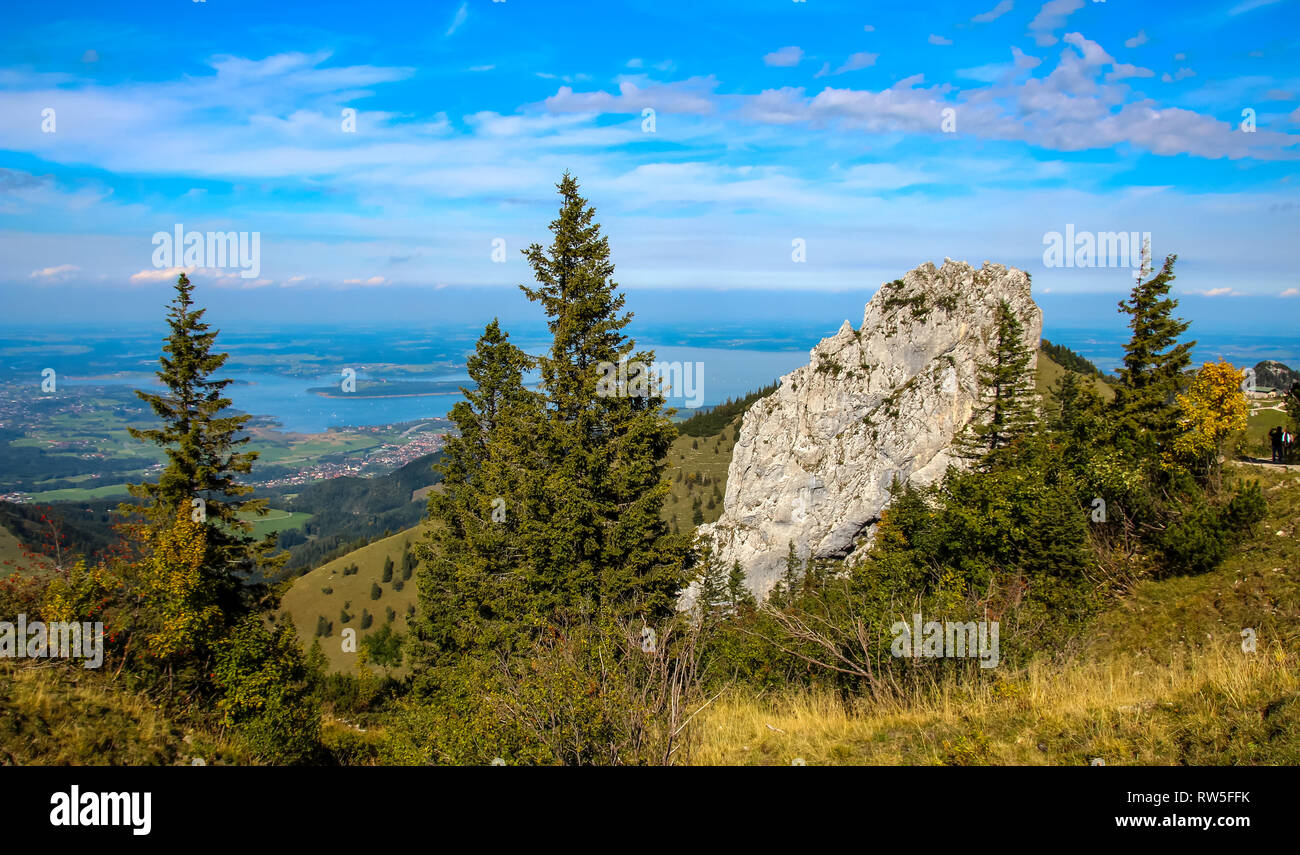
<point x="366" y="619"/>
<point x="384" y="646"/>
<point x="584" y="694"/>
<point x="375" y="591"/>
<point x="263" y="680"/>
<point x="1201" y="535"/>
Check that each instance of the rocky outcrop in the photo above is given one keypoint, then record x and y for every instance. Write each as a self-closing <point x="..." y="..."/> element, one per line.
<point x="814" y="461"/>
<point x="1271" y="374"/>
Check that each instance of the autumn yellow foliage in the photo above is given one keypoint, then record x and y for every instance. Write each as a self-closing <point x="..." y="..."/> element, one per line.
<point x="174" y="589"/>
<point x="1212" y="409"/>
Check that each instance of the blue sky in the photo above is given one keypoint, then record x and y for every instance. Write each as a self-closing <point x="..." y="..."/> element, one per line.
<point x="773" y="121"/>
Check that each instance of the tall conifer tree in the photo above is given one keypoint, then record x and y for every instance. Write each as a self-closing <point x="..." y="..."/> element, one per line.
<point x="1154" y="361"/>
<point x="599" y="540"/>
<point x="470" y="589"/>
<point x="1004" y="412"/>
<point x="203" y="445"/>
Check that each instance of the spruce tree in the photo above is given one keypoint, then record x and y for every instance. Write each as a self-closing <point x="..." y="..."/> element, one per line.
<point x="711" y="595"/>
<point x="738" y="593"/>
<point x="1004" y="412"/>
<point x="600" y="541"/>
<point x="1154" y="361"/>
<point x="203" y="445"/>
<point x="469" y="590"/>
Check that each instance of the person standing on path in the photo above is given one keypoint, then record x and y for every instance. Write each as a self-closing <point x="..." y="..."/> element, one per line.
<point x="1275" y="440"/>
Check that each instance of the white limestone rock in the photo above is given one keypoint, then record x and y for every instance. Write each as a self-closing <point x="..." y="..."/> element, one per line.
<point x="814" y="461"/>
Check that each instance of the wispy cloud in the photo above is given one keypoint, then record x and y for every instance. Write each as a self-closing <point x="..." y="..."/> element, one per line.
<point x="855" y="62"/>
<point x="993" y="14"/>
<point x="62" y="271"/>
<point x="459" y="18"/>
<point x="784" y="57"/>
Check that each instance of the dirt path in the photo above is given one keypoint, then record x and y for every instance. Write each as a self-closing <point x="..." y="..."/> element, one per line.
<point x="1259" y="461"/>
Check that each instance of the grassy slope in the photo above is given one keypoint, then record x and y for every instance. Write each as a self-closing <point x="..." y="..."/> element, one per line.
<point x="1049" y="372"/>
<point x="275" y="520"/>
<point x="11" y="551"/>
<point x="1161" y="679"/>
<point x="306" y="600"/>
<point x="70" y="716"/>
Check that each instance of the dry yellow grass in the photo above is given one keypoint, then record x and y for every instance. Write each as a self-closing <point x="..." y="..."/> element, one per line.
<point x="1215" y="705"/>
<point x="58" y="714"/>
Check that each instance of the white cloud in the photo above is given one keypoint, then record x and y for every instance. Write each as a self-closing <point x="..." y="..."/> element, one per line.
<point x="687" y="97"/>
<point x="636" y="62"/>
<point x="784" y="58"/>
<point x="1123" y="71"/>
<point x="869" y="29"/>
<point x="1139" y="39"/>
<point x="1290" y="292"/>
<point x="1178" y="75"/>
<point x="1051" y="17"/>
<point x="855" y="62"/>
<point x="939" y="40"/>
<point x="993" y="14"/>
<point x="58" y="273"/>
<point x="461" y="14"/>
<point x="373" y="280"/>
<point x="90" y="56"/>
<point x="1024" y="60"/>
<point x="164" y="274"/>
<point x="1216" y="292"/>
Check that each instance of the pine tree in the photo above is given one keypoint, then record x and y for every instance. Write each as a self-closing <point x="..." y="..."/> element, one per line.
<point x="738" y="593"/>
<point x="1004" y="412"/>
<point x="388" y="569"/>
<point x="1154" y="360"/>
<point x="711" y="596"/>
<point x="473" y="565"/>
<point x="601" y="541"/>
<point x="791" y="580"/>
<point x="203" y="459"/>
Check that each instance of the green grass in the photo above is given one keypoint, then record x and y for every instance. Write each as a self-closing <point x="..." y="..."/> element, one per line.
<point x="77" y="494"/>
<point x="708" y="456"/>
<point x="276" y="520"/>
<point x="306" y="600"/>
<point x="1049" y="372"/>
<point x="67" y="715"/>
<point x="1259" y="423"/>
<point x="12" y="554"/>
